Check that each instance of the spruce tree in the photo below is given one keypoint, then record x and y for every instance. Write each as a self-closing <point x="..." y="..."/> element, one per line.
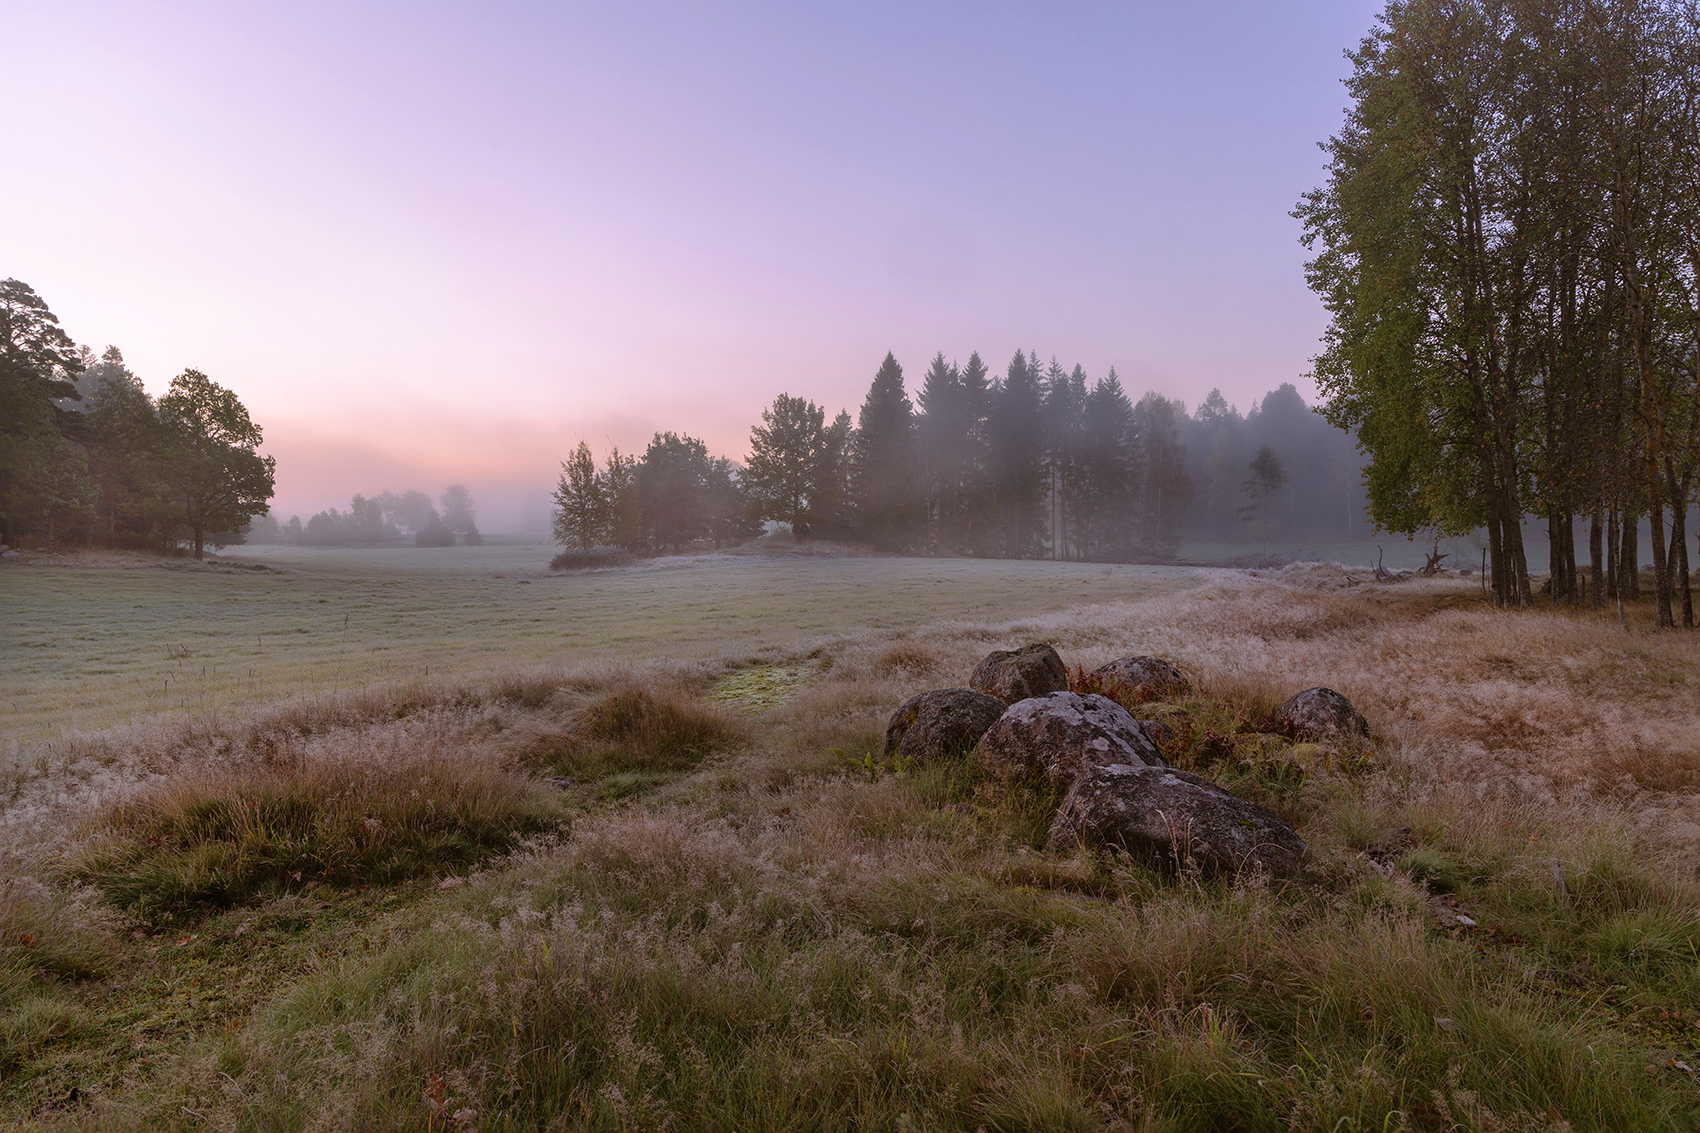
<point x="1165" y="488"/>
<point x="941" y="430"/>
<point x="885" y="471"/>
<point x="832" y="507"/>
<point x="977" y="521"/>
<point x="1017" y="457"/>
<point x="1109" y="470"/>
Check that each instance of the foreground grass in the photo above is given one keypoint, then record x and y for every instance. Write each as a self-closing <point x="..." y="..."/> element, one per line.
<point x="784" y="931"/>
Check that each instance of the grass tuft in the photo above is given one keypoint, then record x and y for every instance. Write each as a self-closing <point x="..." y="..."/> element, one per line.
<point x="212" y="838"/>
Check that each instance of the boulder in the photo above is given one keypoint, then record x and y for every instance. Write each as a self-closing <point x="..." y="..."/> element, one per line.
<point x="1016" y="675"/>
<point x="1144" y="678"/>
<point x="1175" y="818"/>
<point x="943" y="722"/>
<point x="1317" y="713"/>
<point x="1053" y="737"/>
<point x="1159" y="733"/>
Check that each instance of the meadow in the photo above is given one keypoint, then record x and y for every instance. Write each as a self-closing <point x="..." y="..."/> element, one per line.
<point x="95" y="640"/>
<point x="674" y="883"/>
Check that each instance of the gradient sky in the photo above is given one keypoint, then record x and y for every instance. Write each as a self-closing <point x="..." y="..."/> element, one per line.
<point x="431" y="242"/>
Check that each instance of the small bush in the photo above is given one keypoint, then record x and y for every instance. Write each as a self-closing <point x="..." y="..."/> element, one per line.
<point x="592" y="557"/>
<point x="434" y="537"/>
<point x="637" y="730"/>
<point x="220" y="838"/>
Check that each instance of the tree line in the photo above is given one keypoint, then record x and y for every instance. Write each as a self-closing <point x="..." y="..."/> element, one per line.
<point x="87" y="455"/>
<point x="1036" y="462"/>
<point x="384" y="518"/>
<point x="1508" y="244"/>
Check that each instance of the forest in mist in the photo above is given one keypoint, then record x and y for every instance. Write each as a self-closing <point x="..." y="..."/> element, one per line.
<point x="1036" y="462"/>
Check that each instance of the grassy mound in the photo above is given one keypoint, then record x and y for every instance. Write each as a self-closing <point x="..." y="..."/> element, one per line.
<point x="641" y="733"/>
<point x="215" y="838"/>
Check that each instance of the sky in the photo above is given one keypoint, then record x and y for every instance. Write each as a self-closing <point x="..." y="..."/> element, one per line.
<point x="432" y="243"/>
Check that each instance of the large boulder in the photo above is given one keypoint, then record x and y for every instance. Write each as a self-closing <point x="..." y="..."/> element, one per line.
<point x="1175" y="818"/>
<point x="946" y="721"/>
<point x="1142" y="678"/>
<point x="1012" y="675"/>
<point x="1054" y="737"/>
<point x="1318" y="713"/>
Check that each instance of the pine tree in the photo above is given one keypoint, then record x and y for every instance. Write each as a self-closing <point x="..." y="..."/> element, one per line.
<point x="1165" y="488"/>
<point x="1017" y="457"/>
<point x="978" y="520"/>
<point x="941" y="432"/>
<point x="44" y="480"/>
<point x="125" y="442"/>
<point x="832" y="507"/>
<point x="885" y="470"/>
<point x="1062" y="422"/>
<point x="1109" y="471"/>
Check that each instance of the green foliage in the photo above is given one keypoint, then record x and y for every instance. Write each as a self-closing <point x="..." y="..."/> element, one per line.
<point x="219" y="840"/>
<point x="635" y="731"/>
<point x="884" y="467"/>
<point x="215" y="476"/>
<point x="582" y="508"/>
<point x="789" y="458"/>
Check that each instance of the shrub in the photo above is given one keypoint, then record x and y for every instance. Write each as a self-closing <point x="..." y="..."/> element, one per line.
<point x="215" y="838"/>
<point x="592" y="557"/>
<point x="637" y="729"/>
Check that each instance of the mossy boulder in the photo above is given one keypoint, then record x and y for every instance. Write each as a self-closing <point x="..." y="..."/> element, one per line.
<point x="1319" y="714"/>
<point x="1054" y="737"/>
<point x="1175" y="819"/>
<point x="1012" y="675"/>
<point x="940" y="723"/>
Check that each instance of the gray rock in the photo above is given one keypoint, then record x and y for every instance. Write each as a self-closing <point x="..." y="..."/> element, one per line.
<point x="1175" y="818"/>
<point x="1317" y="713"/>
<point x="1054" y="737"/>
<point x="1147" y="678"/>
<point x="1159" y="733"/>
<point x="1016" y="675"/>
<point x="944" y="722"/>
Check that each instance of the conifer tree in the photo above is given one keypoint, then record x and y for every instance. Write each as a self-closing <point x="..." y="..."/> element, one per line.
<point x="978" y="526"/>
<point x="885" y="470"/>
<point x="1165" y="488"/>
<point x="1017" y="457"/>
<point x="1062" y="421"/>
<point x="1109" y="472"/>
<point x="832" y="507"/>
<point x="941" y="431"/>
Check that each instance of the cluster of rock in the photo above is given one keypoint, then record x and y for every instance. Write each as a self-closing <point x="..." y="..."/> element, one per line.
<point x="1022" y="724"/>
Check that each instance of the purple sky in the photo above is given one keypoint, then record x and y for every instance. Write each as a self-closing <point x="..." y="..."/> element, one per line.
<point x="429" y="243"/>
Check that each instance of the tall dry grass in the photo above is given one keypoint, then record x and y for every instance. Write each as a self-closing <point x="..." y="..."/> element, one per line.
<point x="795" y="935"/>
<point x="367" y="810"/>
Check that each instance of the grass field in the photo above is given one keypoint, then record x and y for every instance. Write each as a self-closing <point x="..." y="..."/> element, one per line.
<point x="92" y="641"/>
<point x="566" y="887"/>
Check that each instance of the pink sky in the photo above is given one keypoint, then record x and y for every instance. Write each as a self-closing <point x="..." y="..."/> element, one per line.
<point x="434" y="243"/>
